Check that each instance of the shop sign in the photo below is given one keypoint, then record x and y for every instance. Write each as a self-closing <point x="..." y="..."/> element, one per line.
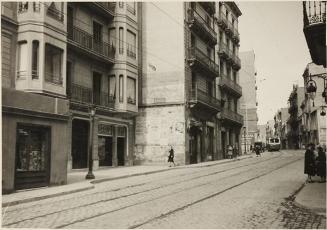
<point x="105" y="129"/>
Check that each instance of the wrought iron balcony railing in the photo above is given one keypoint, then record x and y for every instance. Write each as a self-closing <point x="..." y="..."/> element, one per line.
<point x="233" y="116"/>
<point x="106" y="9"/>
<point x="199" y="95"/>
<point x="209" y="6"/>
<point x="230" y="85"/>
<point x="87" y="41"/>
<point x="55" y="14"/>
<point x="86" y="95"/>
<point x="195" y="54"/>
<point x="314" y="12"/>
<point x="203" y="26"/>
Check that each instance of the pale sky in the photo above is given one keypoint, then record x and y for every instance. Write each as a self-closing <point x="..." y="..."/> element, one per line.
<point x="274" y="30"/>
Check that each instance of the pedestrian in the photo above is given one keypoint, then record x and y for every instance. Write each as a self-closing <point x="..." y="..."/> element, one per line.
<point x="171" y="156"/>
<point x="257" y="150"/>
<point x="321" y="164"/>
<point x="230" y="152"/>
<point x="309" y="162"/>
<point x="236" y="152"/>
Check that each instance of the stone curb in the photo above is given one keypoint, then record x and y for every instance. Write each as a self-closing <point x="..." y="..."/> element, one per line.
<point x="37" y="198"/>
<point x="319" y="211"/>
<point x="90" y="185"/>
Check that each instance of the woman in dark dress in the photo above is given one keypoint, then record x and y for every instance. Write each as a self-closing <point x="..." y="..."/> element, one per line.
<point x="171" y="156"/>
<point x="321" y="164"/>
<point x="309" y="162"/>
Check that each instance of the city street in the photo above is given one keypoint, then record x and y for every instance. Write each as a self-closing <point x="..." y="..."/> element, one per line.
<point x="256" y="192"/>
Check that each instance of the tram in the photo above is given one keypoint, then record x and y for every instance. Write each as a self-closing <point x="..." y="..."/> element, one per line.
<point x="273" y="144"/>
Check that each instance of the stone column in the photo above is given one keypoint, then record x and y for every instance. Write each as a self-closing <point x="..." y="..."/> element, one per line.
<point x="69" y="144"/>
<point x="114" y="147"/>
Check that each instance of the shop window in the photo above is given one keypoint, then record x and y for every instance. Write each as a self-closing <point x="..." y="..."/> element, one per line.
<point x="131" y="90"/>
<point x="35" y="59"/>
<point x="22" y="59"/>
<point x="121" y="88"/>
<point x="32" y="149"/>
<point x="53" y="64"/>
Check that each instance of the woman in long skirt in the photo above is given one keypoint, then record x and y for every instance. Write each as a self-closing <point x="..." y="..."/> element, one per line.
<point x="171" y="156"/>
<point x="321" y="164"/>
<point x="309" y="162"/>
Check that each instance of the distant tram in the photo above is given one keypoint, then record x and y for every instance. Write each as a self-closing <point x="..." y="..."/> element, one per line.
<point x="273" y="144"/>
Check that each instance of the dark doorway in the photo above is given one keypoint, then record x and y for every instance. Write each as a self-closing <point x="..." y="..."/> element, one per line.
<point x="33" y="149"/>
<point x="121" y="151"/>
<point x="69" y="78"/>
<point x="210" y="142"/>
<point x="96" y="88"/>
<point x="105" y="151"/>
<point x="80" y="136"/>
<point x="223" y="143"/>
<point x="193" y="145"/>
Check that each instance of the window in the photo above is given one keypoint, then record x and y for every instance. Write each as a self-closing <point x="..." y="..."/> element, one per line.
<point x="22" y="7"/>
<point x="35" y="54"/>
<point x="131" y="44"/>
<point x="112" y="87"/>
<point x="112" y="36"/>
<point x="209" y="86"/>
<point x="22" y="59"/>
<point x="97" y="32"/>
<point x="55" y="10"/>
<point x="121" y="88"/>
<point x="53" y="64"/>
<point x="131" y="7"/>
<point x="6" y="49"/>
<point x="121" y="4"/>
<point x="131" y="90"/>
<point x="121" y="40"/>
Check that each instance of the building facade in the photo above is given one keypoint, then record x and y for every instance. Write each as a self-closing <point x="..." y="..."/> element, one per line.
<point x="280" y="119"/>
<point x="102" y="73"/>
<point x="313" y="122"/>
<point x="248" y="100"/>
<point x="181" y="102"/>
<point x="295" y="99"/>
<point x="34" y="108"/>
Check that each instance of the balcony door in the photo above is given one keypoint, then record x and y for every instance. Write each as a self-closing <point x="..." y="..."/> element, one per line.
<point x="70" y="21"/>
<point x="96" y="88"/>
<point x="97" y="36"/>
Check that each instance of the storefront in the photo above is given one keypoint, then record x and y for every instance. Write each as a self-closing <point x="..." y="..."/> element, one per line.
<point x="34" y="140"/>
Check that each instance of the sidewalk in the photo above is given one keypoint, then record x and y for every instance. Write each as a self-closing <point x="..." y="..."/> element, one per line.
<point x="76" y="180"/>
<point x="313" y="196"/>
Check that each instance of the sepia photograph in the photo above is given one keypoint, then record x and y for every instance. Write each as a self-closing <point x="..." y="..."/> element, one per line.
<point x="163" y="114"/>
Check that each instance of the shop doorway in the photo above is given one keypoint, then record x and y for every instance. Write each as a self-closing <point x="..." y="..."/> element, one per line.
<point x="223" y="143"/>
<point x="121" y="151"/>
<point x="33" y="149"/>
<point x="80" y="137"/>
<point x="105" y="151"/>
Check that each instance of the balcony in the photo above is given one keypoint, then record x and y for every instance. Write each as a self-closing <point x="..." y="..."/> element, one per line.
<point x="204" y="102"/>
<point x="236" y="62"/>
<point x="231" y="117"/>
<point x="236" y="35"/>
<point x="105" y="9"/>
<point x="314" y="28"/>
<point x="222" y="20"/>
<point x="209" y="7"/>
<point x="84" y="42"/>
<point x="54" y="13"/>
<point x="200" y="61"/>
<point x="230" y="86"/>
<point x="223" y="51"/>
<point x="84" y="95"/>
<point x="204" y="28"/>
<point x="230" y="28"/>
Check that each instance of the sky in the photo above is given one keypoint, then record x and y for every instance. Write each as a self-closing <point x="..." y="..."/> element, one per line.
<point x="274" y="30"/>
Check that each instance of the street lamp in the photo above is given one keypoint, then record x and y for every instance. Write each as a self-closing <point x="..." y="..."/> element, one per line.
<point x="90" y="174"/>
<point x="244" y="133"/>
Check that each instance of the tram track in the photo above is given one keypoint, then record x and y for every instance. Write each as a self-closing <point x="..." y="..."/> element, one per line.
<point x="144" y="191"/>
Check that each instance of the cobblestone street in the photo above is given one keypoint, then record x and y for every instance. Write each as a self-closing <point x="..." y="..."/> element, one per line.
<point x="256" y="192"/>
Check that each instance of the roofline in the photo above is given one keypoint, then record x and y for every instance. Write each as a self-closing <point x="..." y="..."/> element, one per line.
<point x="235" y="7"/>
